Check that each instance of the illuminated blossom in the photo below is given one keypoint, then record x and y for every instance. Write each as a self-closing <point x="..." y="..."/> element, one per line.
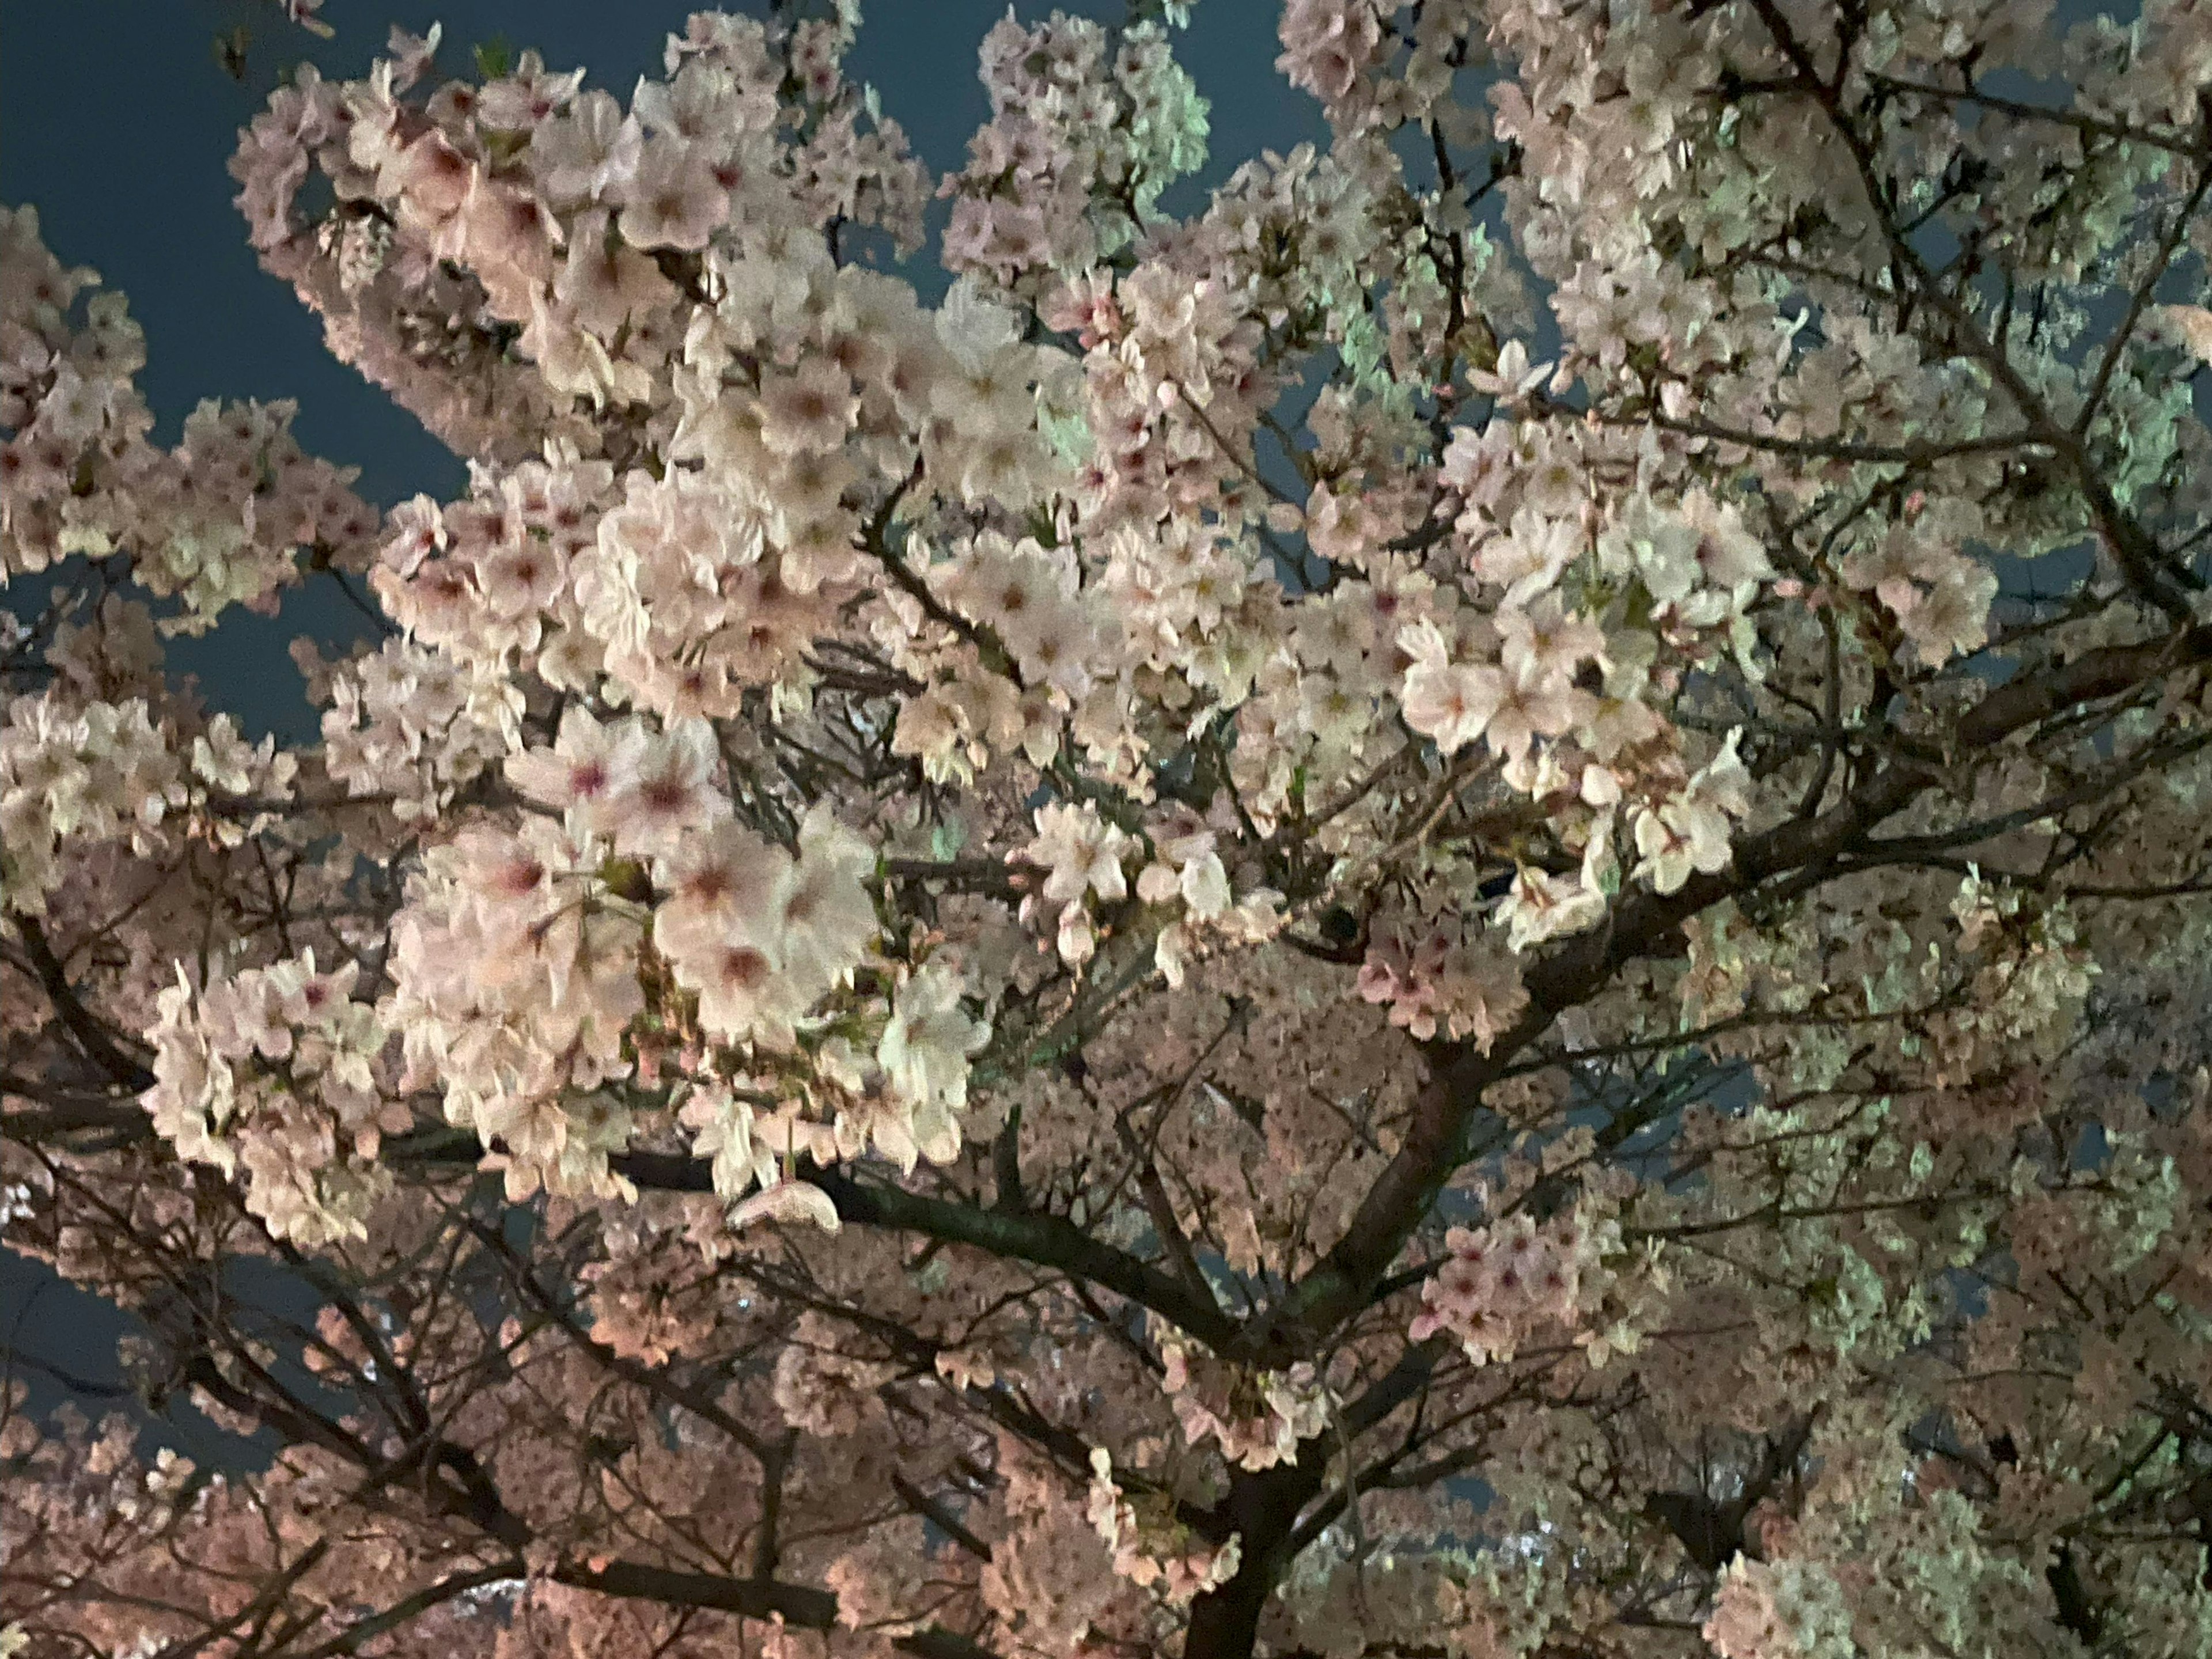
<point x="1152" y="951"/>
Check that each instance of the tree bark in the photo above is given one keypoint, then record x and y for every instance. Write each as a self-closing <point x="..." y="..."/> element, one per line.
<point x="1263" y="1507"/>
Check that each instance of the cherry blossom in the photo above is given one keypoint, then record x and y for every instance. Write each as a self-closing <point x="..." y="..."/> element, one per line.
<point x="1449" y="902"/>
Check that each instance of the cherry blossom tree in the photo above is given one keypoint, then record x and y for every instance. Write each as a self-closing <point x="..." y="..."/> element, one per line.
<point x="1458" y="911"/>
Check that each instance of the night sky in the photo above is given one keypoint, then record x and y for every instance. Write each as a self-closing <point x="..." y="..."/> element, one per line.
<point x="115" y="123"/>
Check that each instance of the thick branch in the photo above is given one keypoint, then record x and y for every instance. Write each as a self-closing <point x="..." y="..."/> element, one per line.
<point x="1045" y="1241"/>
<point x="82" y="1025"/>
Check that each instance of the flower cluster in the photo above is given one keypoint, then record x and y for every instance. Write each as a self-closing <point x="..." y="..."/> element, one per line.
<point x="273" y="1072"/>
<point x="85" y="774"/>
<point x="758" y="935"/>
<point x="485" y="578"/>
<point x="1688" y="828"/>
<point x="1443" y="975"/>
<point x="822" y="1388"/>
<point x="905" y="1102"/>
<point x="510" y="238"/>
<point x="1151" y="1548"/>
<point x="1529" y="693"/>
<point x="1328" y="46"/>
<point x="1050" y="1579"/>
<point x="413" y="725"/>
<point x="1172" y="369"/>
<point x="1788" y="1609"/>
<point x="1939" y="597"/>
<point x="1057" y="635"/>
<point x="1067" y="171"/>
<point x="1564" y="702"/>
<point x="1502" y="1287"/>
<point x="1081" y="854"/>
<point x="2031" y="980"/>
<point x="1259" y="1418"/>
<point x="219" y="521"/>
<point x="644" y="923"/>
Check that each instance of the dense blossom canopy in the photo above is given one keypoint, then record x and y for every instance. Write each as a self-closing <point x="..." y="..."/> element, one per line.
<point x="1456" y="913"/>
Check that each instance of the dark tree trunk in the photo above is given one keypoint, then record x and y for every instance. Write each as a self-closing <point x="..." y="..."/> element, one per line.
<point x="1225" y="1623"/>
